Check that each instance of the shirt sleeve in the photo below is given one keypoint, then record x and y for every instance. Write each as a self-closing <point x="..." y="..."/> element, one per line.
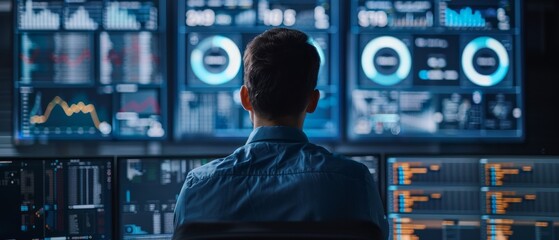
<point x="376" y="207"/>
<point x="180" y="208"/>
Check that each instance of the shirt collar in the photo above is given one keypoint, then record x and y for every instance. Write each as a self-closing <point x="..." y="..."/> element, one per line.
<point x="277" y="134"/>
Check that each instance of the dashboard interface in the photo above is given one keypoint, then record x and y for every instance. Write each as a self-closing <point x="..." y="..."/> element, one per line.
<point x="473" y="198"/>
<point x="416" y="70"/>
<point x="213" y="35"/>
<point x="149" y="214"/>
<point x="435" y="69"/>
<point x="91" y="69"/>
<point x="56" y="198"/>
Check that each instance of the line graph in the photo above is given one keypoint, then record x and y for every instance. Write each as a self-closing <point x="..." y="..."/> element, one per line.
<point x="130" y="58"/>
<point x="140" y="114"/>
<point x="67" y="59"/>
<point x="66" y="119"/>
<point x="70" y="61"/>
<point x="64" y="58"/>
<point x="142" y="106"/>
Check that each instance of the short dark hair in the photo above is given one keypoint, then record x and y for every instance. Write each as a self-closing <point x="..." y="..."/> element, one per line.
<point x="280" y="71"/>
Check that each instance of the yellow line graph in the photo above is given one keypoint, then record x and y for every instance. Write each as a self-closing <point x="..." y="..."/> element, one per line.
<point x="68" y="110"/>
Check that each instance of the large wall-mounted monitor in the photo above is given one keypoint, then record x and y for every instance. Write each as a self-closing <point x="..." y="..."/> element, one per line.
<point x="469" y="197"/>
<point x="148" y="189"/>
<point x="435" y="69"/>
<point x="212" y="36"/>
<point x="91" y="69"/>
<point x="58" y="198"/>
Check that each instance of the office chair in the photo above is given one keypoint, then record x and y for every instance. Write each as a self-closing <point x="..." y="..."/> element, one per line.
<point x="278" y="230"/>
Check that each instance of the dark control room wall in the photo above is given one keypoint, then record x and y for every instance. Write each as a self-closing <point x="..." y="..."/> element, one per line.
<point x="542" y="74"/>
<point x="6" y="147"/>
<point x="541" y="84"/>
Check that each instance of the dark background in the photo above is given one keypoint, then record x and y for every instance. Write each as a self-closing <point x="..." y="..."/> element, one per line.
<point x="541" y="81"/>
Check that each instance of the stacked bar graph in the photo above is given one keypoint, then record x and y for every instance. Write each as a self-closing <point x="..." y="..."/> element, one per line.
<point x="39" y="15"/>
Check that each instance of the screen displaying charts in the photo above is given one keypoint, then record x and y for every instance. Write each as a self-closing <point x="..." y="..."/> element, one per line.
<point x="149" y="214"/>
<point x="64" y="58"/>
<point x="436" y="69"/>
<point x="56" y="198"/>
<point x="467" y="197"/>
<point x="68" y="112"/>
<point x="211" y="47"/>
<point x="91" y="69"/>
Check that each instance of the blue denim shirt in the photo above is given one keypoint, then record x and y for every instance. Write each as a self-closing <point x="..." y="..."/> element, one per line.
<point x="279" y="176"/>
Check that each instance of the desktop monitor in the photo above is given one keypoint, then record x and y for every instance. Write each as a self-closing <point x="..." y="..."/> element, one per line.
<point x="435" y="70"/>
<point x="148" y="188"/>
<point x="56" y="198"/>
<point x="89" y="69"/>
<point x="211" y="42"/>
<point x="473" y="197"/>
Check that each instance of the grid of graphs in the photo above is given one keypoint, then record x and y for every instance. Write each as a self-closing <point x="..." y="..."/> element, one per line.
<point x="90" y="70"/>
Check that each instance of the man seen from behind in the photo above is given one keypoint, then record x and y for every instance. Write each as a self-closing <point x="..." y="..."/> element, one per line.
<point x="278" y="175"/>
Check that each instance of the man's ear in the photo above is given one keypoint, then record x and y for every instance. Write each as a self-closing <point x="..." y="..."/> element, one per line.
<point x="313" y="103"/>
<point x="245" y="100"/>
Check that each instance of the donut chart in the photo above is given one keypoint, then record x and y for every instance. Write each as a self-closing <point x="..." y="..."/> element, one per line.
<point x="319" y="50"/>
<point x="402" y="53"/>
<point x="469" y="56"/>
<point x="232" y="53"/>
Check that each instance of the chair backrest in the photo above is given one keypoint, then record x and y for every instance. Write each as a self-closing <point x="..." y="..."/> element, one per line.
<point x="278" y="230"/>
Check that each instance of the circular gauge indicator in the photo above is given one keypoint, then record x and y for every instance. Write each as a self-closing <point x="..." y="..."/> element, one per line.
<point x="485" y="61"/>
<point x="386" y="60"/>
<point x="216" y="60"/>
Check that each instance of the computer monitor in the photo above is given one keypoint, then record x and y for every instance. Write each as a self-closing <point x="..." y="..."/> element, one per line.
<point x="433" y="197"/>
<point x="211" y="42"/>
<point x="89" y="69"/>
<point x="435" y="70"/>
<point x="473" y="197"/>
<point x="148" y="188"/>
<point x="56" y="198"/>
<point x="520" y="197"/>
